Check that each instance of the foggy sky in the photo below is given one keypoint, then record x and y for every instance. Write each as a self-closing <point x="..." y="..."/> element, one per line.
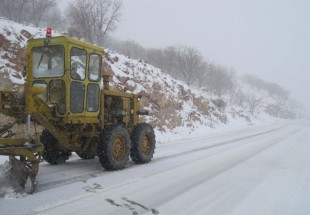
<point x="267" y="38"/>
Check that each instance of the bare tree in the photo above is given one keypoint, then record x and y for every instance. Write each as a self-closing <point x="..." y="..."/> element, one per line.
<point x="187" y="61"/>
<point x="16" y="10"/>
<point x="132" y="49"/>
<point x="92" y="20"/>
<point x="54" y="19"/>
<point x="273" y="89"/>
<point x="156" y="57"/>
<point x="39" y="10"/>
<point x="253" y="102"/>
<point x="238" y="97"/>
<point x="203" y="74"/>
<point x="219" y="80"/>
<point x="168" y="65"/>
<point x="78" y="13"/>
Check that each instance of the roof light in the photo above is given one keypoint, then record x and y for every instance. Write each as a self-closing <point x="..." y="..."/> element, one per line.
<point x="48" y="32"/>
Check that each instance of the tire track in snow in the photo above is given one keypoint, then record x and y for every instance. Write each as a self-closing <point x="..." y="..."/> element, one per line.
<point x="191" y="182"/>
<point x="84" y="177"/>
<point x="223" y="143"/>
<point x="179" y="177"/>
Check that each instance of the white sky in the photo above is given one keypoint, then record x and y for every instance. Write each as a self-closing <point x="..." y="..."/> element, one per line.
<point x="268" y="38"/>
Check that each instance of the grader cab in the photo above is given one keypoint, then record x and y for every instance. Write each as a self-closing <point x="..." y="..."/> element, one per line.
<point x="64" y="94"/>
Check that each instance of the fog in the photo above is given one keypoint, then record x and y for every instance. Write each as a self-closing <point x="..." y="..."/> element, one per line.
<point x="267" y="38"/>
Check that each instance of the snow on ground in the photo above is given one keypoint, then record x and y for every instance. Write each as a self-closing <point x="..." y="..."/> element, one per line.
<point x="255" y="170"/>
<point x="207" y="161"/>
<point x="198" y="130"/>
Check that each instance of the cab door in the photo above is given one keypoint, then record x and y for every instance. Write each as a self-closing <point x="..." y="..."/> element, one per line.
<point x="85" y="74"/>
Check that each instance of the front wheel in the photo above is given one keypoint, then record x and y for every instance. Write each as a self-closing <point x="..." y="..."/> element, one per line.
<point x="86" y="155"/>
<point x="143" y="143"/>
<point x="87" y="151"/>
<point x="114" y="147"/>
<point x="52" y="152"/>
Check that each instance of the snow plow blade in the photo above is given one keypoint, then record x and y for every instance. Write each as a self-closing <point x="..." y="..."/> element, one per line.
<point x="22" y="175"/>
<point x="24" y="169"/>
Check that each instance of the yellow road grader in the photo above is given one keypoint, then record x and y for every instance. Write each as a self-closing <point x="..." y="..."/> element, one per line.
<point x="67" y="95"/>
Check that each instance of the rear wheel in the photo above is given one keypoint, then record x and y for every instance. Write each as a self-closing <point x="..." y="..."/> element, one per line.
<point x="143" y="143"/>
<point x="52" y="152"/>
<point x="114" y="147"/>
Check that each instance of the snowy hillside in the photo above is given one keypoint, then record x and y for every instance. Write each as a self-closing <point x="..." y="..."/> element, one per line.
<point x="174" y="107"/>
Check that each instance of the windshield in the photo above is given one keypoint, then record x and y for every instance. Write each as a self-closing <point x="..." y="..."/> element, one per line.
<point x="48" y="61"/>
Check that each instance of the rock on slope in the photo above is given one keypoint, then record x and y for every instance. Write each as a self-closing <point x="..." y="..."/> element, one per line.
<point x="171" y="103"/>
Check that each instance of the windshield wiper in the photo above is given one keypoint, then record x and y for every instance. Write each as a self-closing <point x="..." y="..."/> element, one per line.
<point x="41" y="58"/>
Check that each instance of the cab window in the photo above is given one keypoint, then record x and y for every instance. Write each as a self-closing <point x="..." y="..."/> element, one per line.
<point x="93" y="97"/>
<point x="48" y="61"/>
<point x="94" y="67"/>
<point x="77" y="90"/>
<point x="78" y="63"/>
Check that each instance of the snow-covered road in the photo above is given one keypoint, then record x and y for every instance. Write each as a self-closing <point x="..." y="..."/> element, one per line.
<point x="258" y="170"/>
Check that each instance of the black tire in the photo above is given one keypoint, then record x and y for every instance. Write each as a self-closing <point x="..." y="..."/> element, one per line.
<point x="142" y="143"/>
<point x="114" y="147"/>
<point x="52" y="152"/>
<point x="86" y="155"/>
